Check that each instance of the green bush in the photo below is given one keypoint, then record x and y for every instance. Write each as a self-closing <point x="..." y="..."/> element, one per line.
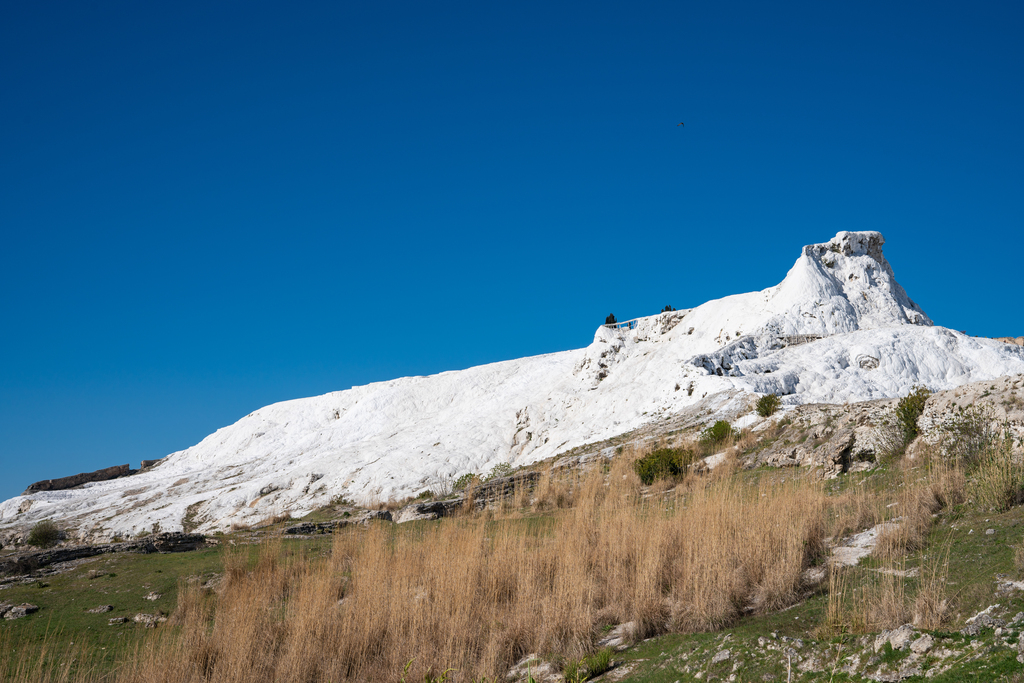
<point x="716" y="433"/>
<point x="909" y="409"/>
<point x="44" y="534"/>
<point x="502" y="469"/>
<point x="663" y="463"/>
<point x="897" y="429"/>
<point x="767" y="405"/>
<point x="463" y="482"/>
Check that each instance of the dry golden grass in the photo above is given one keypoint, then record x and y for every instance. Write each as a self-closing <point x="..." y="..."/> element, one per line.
<point x="476" y="595"/>
<point x="925" y="489"/>
<point x="933" y="606"/>
<point x="853" y="511"/>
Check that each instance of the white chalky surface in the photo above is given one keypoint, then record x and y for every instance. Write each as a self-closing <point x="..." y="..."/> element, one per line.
<point x="392" y="439"/>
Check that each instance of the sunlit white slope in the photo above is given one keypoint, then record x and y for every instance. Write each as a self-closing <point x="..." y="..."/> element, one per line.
<point x="838" y="328"/>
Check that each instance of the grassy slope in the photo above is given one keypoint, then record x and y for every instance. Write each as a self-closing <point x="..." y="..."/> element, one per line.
<point x="975" y="558"/>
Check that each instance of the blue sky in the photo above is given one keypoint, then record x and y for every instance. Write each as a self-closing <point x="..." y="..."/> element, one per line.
<point x="209" y="207"/>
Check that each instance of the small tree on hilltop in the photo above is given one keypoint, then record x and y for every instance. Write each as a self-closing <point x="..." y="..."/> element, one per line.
<point x="610" y="320"/>
<point x="667" y="309"/>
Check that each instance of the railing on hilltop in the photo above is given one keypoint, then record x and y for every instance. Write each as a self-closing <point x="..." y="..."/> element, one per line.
<point x="624" y="325"/>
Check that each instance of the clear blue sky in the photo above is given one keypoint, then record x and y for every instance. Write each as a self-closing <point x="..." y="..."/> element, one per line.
<point x="209" y="207"/>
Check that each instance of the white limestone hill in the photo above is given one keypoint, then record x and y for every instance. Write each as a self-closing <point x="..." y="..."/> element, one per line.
<point x="838" y="329"/>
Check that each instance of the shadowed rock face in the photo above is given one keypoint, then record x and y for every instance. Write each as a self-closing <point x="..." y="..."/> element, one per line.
<point x="159" y="543"/>
<point x="78" y="479"/>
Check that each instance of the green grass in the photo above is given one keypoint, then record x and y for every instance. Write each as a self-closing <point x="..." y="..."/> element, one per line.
<point x="125" y="578"/>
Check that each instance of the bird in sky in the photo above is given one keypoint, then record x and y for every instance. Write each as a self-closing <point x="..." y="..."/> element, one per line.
<point x="679" y="125"/>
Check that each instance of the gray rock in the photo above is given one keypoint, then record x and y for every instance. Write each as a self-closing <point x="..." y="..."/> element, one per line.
<point x="148" y="620"/>
<point x="922" y="644"/>
<point x="981" y="622"/>
<point x="62" y="483"/>
<point x="100" y="609"/>
<point x="427" y="511"/>
<point x="619" y="637"/>
<point x="901" y="637"/>
<point x="721" y="656"/>
<point x="313" y="528"/>
<point x="114" y="621"/>
<point x="19" y="611"/>
<point x="897" y="638"/>
<point x="159" y="543"/>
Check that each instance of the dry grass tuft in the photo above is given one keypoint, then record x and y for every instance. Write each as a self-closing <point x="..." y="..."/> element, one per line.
<point x="933" y="606"/>
<point x="924" y="491"/>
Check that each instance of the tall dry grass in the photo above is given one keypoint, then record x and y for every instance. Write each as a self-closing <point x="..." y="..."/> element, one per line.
<point x="881" y="598"/>
<point x="476" y="595"/>
<point x="925" y="489"/>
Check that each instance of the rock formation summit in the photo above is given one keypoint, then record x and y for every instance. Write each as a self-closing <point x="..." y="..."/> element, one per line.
<point x="839" y="328"/>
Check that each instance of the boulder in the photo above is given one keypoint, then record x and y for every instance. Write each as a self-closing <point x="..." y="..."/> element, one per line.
<point x="100" y="609"/>
<point x="835" y="453"/>
<point x="897" y="638"/>
<point x="922" y="644"/>
<point x="426" y="511"/>
<point x="19" y="611"/>
<point x="312" y="528"/>
<point x="149" y="620"/>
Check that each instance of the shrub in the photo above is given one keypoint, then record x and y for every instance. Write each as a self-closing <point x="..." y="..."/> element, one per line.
<point x="767" y="405"/>
<point x="663" y="463"/>
<point x="502" y="469"/>
<point x="667" y="309"/>
<point x="899" y="428"/>
<point x="441" y="485"/>
<point x="909" y="409"/>
<point x="969" y="435"/>
<point x="44" y="534"/>
<point x="610" y="320"/>
<point x="463" y="482"/>
<point x="716" y="433"/>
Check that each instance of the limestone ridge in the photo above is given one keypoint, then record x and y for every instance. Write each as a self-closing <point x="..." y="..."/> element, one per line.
<point x="838" y="328"/>
<point x="837" y="287"/>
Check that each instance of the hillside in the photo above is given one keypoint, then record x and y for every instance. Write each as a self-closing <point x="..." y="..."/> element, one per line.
<point x="839" y="328"/>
